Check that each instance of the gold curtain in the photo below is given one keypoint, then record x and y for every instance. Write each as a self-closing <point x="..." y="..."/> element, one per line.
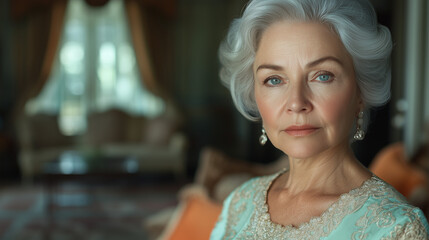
<point x="36" y="35"/>
<point x="141" y="47"/>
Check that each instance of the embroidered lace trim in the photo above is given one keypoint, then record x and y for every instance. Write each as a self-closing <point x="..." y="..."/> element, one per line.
<point x="261" y="227"/>
<point x="320" y="226"/>
<point x="408" y="231"/>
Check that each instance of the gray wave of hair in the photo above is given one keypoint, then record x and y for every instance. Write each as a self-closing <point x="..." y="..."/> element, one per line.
<point x="355" y="22"/>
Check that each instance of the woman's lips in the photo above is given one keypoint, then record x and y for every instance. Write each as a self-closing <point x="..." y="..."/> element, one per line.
<point x="299" y="131"/>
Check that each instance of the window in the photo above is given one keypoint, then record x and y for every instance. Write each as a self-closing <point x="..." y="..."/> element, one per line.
<point x="95" y="70"/>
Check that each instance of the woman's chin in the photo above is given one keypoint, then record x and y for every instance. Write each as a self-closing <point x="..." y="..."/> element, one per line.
<point x="303" y="150"/>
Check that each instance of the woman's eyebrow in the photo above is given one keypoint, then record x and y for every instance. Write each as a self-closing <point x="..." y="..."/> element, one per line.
<point x="270" y="66"/>
<point x="309" y="65"/>
<point x="324" y="59"/>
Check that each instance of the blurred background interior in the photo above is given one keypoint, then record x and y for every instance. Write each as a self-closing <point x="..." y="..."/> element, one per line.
<point x="110" y="109"/>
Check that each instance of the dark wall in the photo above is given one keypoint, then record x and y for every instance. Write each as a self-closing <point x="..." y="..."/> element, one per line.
<point x="8" y="148"/>
<point x="212" y="118"/>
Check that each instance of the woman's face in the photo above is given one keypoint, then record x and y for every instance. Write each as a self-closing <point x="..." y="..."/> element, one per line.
<point x="305" y="88"/>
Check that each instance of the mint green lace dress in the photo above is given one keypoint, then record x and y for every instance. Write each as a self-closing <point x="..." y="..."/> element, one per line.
<point x="375" y="210"/>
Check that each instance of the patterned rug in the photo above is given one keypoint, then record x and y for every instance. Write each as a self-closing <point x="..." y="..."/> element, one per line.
<point x="82" y="211"/>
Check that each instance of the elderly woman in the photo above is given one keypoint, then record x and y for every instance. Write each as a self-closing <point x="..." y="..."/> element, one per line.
<point x="310" y="69"/>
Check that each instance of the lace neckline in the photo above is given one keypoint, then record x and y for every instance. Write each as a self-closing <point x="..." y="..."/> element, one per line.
<point x="316" y="220"/>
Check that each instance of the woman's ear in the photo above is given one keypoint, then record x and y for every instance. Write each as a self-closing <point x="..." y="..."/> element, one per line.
<point x="361" y="107"/>
<point x="360" y="104"/>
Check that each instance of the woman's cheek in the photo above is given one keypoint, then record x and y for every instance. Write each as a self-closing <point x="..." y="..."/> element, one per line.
<point x="339" y="109"/>
<point x="269" y="106"/>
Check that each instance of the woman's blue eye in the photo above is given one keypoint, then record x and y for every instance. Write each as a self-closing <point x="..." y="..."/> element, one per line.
<point x="323" y="77"/>
<point x="274" y="81"/>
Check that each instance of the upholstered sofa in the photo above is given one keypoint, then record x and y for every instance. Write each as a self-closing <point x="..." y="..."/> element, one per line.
<point x="155" y="145"/>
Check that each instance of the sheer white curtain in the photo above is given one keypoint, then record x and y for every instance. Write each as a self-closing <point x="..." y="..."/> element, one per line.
<point x="95" y="70"/>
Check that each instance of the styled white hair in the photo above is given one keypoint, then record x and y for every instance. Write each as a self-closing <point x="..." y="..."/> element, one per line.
<point x="355" y="22"/>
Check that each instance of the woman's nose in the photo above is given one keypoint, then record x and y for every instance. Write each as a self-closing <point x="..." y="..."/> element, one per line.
<point x="298" y="101"/>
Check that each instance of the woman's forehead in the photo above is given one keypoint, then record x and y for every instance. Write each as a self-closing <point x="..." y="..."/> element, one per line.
<point x="287" y="42"/>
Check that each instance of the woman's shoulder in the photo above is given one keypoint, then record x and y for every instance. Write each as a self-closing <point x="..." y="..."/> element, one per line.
<point x="384" y="197"/>
<point x="240" y="206"/>
<point x="378" y="189"/>
<point x="385" y="208"/>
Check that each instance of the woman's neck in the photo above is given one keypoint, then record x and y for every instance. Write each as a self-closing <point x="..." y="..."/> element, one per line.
<point x="327" y="173"/>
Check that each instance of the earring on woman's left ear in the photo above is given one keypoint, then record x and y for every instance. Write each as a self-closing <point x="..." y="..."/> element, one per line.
<point x="360" y="133"/>
<point x="263" y="138"/>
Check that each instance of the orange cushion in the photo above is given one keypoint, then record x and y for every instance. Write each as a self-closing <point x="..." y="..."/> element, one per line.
<point x="392" y="166"/>
<point x="197" y="219"/>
